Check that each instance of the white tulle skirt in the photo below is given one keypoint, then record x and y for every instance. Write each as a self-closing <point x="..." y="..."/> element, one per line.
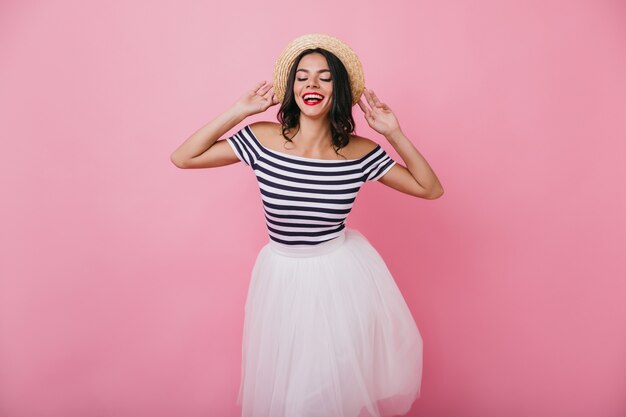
<point x="327" y="333"/>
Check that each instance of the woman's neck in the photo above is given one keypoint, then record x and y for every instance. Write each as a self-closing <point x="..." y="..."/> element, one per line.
<point x="314" y="134"/>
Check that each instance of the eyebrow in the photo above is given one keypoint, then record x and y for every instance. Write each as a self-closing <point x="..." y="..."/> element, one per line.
<point x="307" y="71"/>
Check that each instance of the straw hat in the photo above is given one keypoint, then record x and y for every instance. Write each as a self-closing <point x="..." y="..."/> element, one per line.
<point x="316" y="40"/>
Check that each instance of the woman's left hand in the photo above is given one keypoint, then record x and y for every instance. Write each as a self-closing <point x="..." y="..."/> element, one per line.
<point x="379" y="116"/>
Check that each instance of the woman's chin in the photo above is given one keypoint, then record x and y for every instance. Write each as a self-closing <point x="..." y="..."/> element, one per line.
<point x="315" y="116"/>
<point x="314" y="113"/>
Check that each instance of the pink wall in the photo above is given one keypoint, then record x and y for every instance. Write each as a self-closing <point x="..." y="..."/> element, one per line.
<point x="123" y="278"/>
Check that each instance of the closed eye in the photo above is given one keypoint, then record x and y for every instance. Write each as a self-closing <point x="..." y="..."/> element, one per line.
<point x="321" y="79"/>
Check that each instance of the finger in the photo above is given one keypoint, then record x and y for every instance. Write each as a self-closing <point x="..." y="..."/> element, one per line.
<point x="270" y="91"/>
<point x="375" y="97"/>
<point x="383" y="106"/>
<point x="368" y="97"/>
<point x="365" y="109"/>
<point x="379" y="103"/>
<point x="258" y="85"/>
<point x="362" y="105"/>
<point x="261" y="91"/>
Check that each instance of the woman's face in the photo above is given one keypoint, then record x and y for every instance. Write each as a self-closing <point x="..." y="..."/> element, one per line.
<point x="313" y="85"/>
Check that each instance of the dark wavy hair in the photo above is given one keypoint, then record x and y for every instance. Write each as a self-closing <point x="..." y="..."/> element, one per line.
<point x="341" y="120"/>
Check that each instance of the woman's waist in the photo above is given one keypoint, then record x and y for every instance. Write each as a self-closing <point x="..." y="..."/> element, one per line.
<point x="306" y="248"/>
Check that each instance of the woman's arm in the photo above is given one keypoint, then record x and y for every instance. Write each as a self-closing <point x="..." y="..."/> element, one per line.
<point x="204" y="150"/>
<point x="417" y="178"/>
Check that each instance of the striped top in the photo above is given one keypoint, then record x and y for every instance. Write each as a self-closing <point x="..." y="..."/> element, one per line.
<point x="306" y="200"/>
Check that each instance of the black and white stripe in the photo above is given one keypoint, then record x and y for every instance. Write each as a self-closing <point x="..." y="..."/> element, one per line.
<point x="306" y="200"/>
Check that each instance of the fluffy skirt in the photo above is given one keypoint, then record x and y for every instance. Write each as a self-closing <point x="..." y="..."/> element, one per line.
<point x="327" y="333"/>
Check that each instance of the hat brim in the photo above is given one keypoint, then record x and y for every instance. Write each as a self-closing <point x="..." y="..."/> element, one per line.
<point x="317" y="40"/>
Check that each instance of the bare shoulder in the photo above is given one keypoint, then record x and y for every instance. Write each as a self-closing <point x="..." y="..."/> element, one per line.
<point x="265" y="131"/>
<point x="270" y="134"/>
<point x="359" y="147"/>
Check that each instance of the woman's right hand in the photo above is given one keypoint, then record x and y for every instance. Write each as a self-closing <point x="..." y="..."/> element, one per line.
<point x="257" y="100"/>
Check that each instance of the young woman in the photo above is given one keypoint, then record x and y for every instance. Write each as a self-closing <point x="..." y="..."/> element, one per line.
<point x="327" y="332"/>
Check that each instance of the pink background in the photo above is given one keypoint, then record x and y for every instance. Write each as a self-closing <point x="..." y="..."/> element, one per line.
<point x="123" y="278"/>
